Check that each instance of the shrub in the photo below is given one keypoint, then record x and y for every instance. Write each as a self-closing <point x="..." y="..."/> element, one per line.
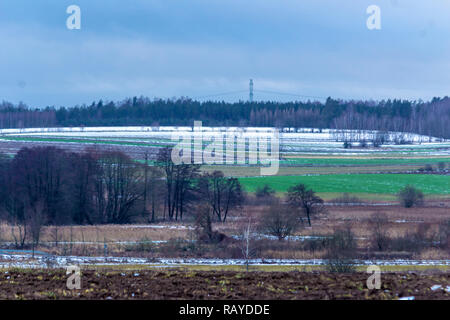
<point x="178" y="246"/>
<point x="264" y="192"/>
<point x="413" y="241"/>
<point x="279" y="220"/>
<point x="363" y="143"/>
<point x="380" y="237"/>
<point x="203" y="225"/>
<point x="410" y="196"/>
<point x="341" y="251"/>
<point x="346" y="199"/>
<point x="314" y="244"/>
<point x="444" y="235"/>
<point x="404" y="243"/>
<point x="142" y="246"/>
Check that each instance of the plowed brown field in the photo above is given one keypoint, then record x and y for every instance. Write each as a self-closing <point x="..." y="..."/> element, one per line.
<point x="176" y="284"/>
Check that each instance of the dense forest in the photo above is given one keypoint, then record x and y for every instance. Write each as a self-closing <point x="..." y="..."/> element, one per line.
<point x="428" y="118"/>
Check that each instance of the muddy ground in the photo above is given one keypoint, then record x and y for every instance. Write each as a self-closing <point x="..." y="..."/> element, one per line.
<point x="176" y="284"/>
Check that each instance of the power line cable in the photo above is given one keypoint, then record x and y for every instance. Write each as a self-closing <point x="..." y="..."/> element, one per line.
<point x="219" y="94"/>
<point x="290" y="94"/>
<point x="259" y="91"/>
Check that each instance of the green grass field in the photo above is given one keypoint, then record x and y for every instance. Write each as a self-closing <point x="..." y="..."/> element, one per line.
<point x="354" y="183"/>
<point x="329" y="173"/>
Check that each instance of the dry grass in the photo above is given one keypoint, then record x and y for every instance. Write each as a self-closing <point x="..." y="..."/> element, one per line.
<point x="90" y="240"/>
<point x="105" y="233"/>
<point x="432" y="254"/>
<point x="242" y="171"/>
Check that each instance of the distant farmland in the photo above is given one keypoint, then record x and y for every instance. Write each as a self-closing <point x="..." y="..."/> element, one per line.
<point x="354" y="183"/>
<point x="314" y="157"/>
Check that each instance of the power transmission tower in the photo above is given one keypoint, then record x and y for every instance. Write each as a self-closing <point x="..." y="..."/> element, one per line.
<point x="251" y="91"/>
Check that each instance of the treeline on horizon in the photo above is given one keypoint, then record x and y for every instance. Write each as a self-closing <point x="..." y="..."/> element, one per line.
<point x="427" y="118"/>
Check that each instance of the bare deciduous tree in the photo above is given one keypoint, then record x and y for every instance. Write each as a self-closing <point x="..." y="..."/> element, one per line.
<point x="179" y="183"/>
<point x="34" y="216"/>
<point x="222" y="193"/>
<point x="246" y="250"/>
<point x="341" y="250"/>
<point x="305" y="200"/>
<point x="203" y="223"/>
<point x="40" y="176"/>
<point x="249" y="248"/>
<point x="120" y="187"/>
<point x="378" y="223"/>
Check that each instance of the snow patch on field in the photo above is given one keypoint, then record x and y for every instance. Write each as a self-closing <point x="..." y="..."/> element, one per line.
<point x="287" y="133"/>
<point x="158" y="227"/>
<point x="292" y="141"/>
<point x="440" y="287"/>
<point x="45" y="261"/>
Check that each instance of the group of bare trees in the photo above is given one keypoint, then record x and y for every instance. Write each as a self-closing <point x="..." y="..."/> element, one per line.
<point x="64" y="187"/>
<point x="180" y="183"/>
<point x="221" y="193"/>
<point x="52" y="186"/>
<point x="185" y="185"/>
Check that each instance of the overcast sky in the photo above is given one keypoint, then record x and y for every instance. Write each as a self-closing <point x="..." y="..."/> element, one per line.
<point x="196" y="48"/>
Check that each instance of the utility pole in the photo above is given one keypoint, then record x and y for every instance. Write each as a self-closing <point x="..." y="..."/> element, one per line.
<point x="251" y="91"/>
<point x="144" y="212"/>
